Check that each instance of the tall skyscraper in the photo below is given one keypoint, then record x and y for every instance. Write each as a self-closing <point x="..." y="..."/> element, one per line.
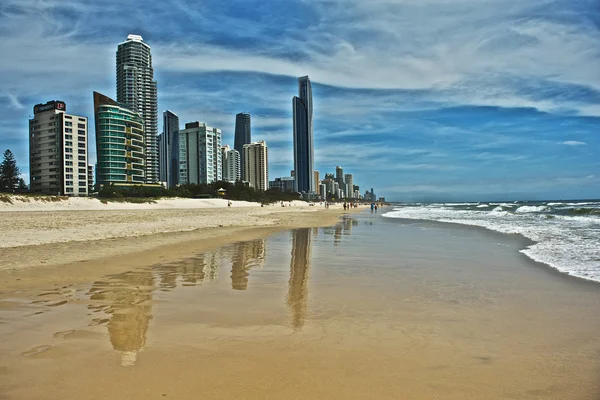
<point x="137" y="90"/>
<point x="256" y="165"/>
<point x="162" y="158"/>
<point x="58" y="151"/>
<point x="169" y="150"/>
<point x="231" y="164"/>
<point x="339" y="175"/>
<point x="243" y="134"/>
<point x="200" y="154"/>
<point x="119" y="143"/>
<point x="317" y="183"/>
<point x="303" y="137"/>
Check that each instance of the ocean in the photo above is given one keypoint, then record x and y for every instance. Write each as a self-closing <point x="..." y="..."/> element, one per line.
<point x="566" y="233"/>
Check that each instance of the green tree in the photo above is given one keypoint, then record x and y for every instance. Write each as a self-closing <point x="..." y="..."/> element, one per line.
<point x="9" y="172"/>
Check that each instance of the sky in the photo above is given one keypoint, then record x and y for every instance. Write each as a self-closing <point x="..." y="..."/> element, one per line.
<point x="423" y="100"/>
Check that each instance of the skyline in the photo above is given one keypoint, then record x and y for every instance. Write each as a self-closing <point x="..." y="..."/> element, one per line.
<point x="489" y="100"/>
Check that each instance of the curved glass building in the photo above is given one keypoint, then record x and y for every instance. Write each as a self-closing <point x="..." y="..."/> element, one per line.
<point x="119" y="143"/>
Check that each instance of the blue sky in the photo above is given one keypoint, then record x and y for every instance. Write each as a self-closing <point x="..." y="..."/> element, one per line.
<point x="420" y="99"/>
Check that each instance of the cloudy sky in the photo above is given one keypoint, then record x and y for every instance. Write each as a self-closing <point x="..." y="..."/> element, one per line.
<point x="420" y="99"/>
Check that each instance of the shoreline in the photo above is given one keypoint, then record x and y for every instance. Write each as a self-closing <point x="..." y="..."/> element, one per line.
<point x="69" y="262"/>
<point x="523" y="243"/>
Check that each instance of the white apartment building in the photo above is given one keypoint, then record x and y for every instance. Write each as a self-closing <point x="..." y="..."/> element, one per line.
<point x="231" y="164"/>
<point x="199" y="154"/>
<point x="256" y="165"/>
<point x="58" y="151"/>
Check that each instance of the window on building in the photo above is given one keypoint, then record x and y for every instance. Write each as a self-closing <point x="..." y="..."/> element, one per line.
<point x="81" y="132"/>
<point x="69" y="170"/>
<point x="81" y="158"/>
<point x="81" y="126"/>
<point x="68" y="123"/>
<point x="67" y="116"/>
<point x="69" y="163"/>
<point x="82" y="177"/>
<point x="68" y="157"/>
<point x="81" y="151"/>
<point x="67" y="137"/>
<point x="82" y="164"/>
<point x="82" y="119"/>
<point x="67" y="143"/>
<point x="68" y="130"/>
<point x="69" y="176"/>
<point x="68" y="150"/>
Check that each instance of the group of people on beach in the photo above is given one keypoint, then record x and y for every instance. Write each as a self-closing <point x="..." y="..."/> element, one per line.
<point x="348" y="206"/>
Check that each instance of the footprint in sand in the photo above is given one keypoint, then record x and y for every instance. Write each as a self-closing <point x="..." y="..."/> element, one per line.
<point x="36" y="350"/>
<point x="64" y="334"/>
<point x="98" y="321"/>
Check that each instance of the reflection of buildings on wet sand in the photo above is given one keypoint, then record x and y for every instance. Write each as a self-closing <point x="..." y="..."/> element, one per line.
<point x="246" y="255"/>
<point x="127" y="298"/>
<point x="340" y="229"/>
<point x="191" y="271"/>
<point x="298" y="285"/>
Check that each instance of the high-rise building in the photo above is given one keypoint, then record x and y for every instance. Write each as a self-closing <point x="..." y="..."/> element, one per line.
<point x="349" y="180"/>
<point x="285" y="184"/>
<point x="137" y="90"/>
<point x="256" y="165"/>
<point x="339" y="175"/>
<point x="317" y="183"/>
<point x="303" y="137"/>
<point x="120" y="145"/>
<point x="162" y="158"/>
<point x="200" y="154"/>
<point x="231" y="164"/>
<point x="243" y="135"/>
<point x="323" y="190"/>
<point x="90" y="173"/>
<point x="169" y="150"/>
<point x="58" y="151"/>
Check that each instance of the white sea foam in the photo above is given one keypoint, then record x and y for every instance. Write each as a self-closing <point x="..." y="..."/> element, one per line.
<point x="568" y="243"/>
<point x="530" y="209"/>
<point x="483" y="206"/>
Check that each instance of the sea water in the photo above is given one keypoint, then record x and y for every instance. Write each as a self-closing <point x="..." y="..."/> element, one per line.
<point x="566" y="233"/>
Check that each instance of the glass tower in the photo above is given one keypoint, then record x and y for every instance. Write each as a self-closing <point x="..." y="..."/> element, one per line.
<point x="119" y="143"/>
<point x="303" y="138"/>
<point x="136" y="90"/>
<point x="243" y="135"/>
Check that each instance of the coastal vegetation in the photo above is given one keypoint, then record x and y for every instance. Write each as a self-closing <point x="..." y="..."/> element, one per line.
<point x="219" y="189"/>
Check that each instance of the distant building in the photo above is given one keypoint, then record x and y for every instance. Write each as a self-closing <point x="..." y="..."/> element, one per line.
<point x="119" y="143"/>
<point x="323" y="190"/>
<point x="168" y="149"/>
<point x="231" y="164"/>
<point x="285" y="184"/>
<point x="58" y="151"/>
<point x="199" y="154"/>
<point x="339" y="175"/>
<point x="256" y="165"/>
<point x="90" y="174"/>
<point x="137" y="91"/>
<point x="349" y="180"/>
<point x="382" y="200"/>
<point x="317" y="183"/>
<point x="303" y="137"/>
<point x="243" y="134"/>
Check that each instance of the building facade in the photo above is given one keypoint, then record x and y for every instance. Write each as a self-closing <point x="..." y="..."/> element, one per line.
<point x="231" y="164"/>
<point x="168" y="149"/>
<point x="119" y="143"/>
<point x="243" y="135"/>
<point x="317" y="183"/>
<point x="285" y="184"/>
<point x="256" y="165"/>
<point x="58" y="151"/>
<point x="339" y="175"/>
<point x="302" y="108"/>
<point x="199" y="154"/>
<point x="137" y="91"/>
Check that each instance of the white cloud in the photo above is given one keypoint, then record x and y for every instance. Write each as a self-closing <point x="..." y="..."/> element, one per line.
<point x="574" y="143"/>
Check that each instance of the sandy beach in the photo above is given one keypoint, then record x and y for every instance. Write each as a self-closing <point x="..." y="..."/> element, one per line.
<point x="276" y="307"/>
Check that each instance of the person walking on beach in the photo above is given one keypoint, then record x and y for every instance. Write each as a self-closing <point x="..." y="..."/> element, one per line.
<point x="372" y="206"/>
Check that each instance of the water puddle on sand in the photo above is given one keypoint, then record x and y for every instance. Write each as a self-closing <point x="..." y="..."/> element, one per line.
<point x="349" y="308"/>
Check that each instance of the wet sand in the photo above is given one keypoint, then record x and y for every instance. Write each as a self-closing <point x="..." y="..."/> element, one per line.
<point x="369" y="308"/>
